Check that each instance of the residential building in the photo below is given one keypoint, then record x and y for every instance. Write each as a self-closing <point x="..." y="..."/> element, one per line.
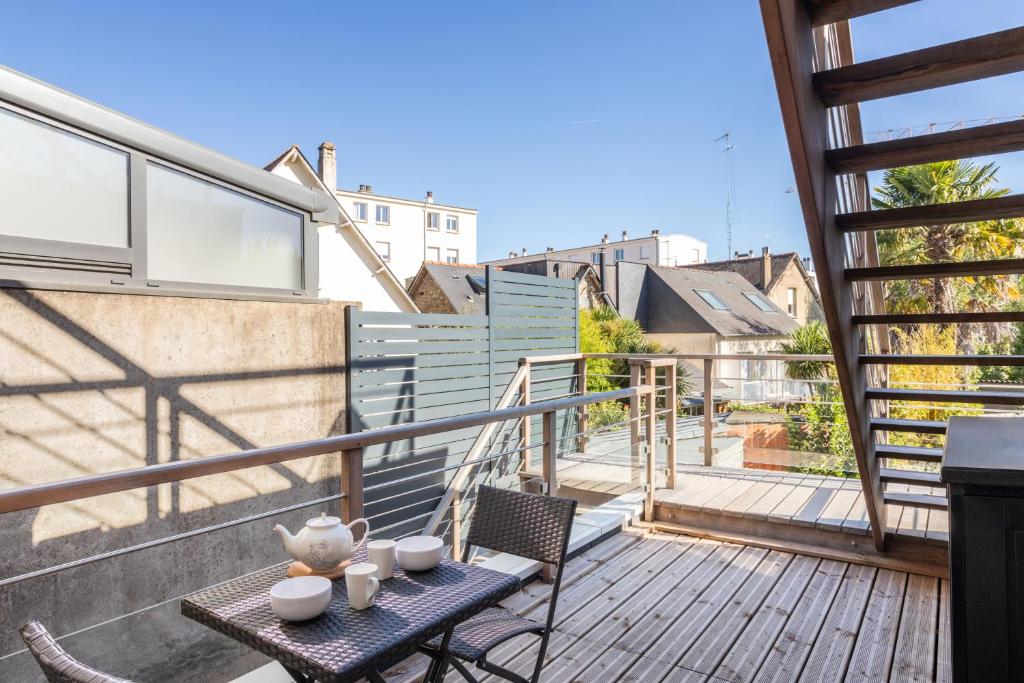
<point x="404" y="232"/>
<point x="783" y="278"/>
<point x="698" y="311"/>
<point x="656" y="249"/>
<point x="462" y="288"/>
<point x="350" y="268"/>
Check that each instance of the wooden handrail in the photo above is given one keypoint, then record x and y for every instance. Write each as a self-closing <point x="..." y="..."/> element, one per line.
<point x="65" y="490"/>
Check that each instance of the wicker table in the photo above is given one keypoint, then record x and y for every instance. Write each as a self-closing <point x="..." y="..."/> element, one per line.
<point x="343" y="644"/>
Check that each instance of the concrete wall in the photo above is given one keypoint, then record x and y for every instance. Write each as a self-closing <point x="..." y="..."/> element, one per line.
<point x="94" y="383"/>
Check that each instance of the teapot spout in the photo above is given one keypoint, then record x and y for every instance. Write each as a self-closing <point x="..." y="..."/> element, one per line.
<point x="286" y="537"/>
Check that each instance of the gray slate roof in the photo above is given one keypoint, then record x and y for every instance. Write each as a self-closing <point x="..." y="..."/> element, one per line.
<point x="673" y="305"/>
<point x="750" y="267"/>
<point x="453" y="281"/>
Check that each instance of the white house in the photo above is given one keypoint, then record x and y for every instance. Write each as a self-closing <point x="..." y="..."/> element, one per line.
<point x="654" y="249"/>
<point x="349" y="267"/>
<point x="404" y="232"/>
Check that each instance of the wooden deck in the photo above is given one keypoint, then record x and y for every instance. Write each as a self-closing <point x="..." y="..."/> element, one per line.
<point x="665" y="607"/>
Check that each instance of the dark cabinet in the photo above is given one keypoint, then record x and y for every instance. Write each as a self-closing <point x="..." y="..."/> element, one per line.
<point x="983" y="469"/>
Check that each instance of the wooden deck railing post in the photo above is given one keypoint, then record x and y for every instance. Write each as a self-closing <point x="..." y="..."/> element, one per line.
<point x="352" y="486"/>
<point x="581" y="412"/>
<point x="550" y="473"/>
<point x="671" y="401"/>
<point x="525" y="427"/>
<point x="650" y="424"/>
<point x="457" y="524"/>
<point x="709" y="411"/>
<point x="635" y="380"/>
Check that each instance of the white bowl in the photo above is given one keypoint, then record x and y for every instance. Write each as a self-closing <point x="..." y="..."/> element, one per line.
<point x="419" y="553"/>
<point x="301" y="598"/>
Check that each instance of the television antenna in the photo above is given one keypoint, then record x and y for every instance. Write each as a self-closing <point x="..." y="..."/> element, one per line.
<point x="730" y="189"/>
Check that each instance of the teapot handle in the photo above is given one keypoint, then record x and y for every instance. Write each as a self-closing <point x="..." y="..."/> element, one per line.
<point x="366" y="534"/>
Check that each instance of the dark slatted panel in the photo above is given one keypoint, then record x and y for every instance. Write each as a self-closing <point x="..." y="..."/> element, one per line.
<point x="412" y="367"/>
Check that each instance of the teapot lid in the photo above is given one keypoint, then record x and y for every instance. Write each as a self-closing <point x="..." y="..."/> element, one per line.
<point x="323" y="521"/>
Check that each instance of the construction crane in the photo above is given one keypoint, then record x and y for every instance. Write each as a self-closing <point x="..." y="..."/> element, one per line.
<point x="730" y="190"/>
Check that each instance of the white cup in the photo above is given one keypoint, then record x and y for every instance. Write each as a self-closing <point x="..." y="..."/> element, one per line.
<point x="361" y="581"/>
<point x="382" y="554"/>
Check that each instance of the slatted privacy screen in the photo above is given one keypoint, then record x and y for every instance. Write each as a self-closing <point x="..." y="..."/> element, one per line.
<point x="406" y="367"/>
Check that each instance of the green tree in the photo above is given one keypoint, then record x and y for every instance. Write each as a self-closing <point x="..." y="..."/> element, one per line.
<point x="939" y="183"/>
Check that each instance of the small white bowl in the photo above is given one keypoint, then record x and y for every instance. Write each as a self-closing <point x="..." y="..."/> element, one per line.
<point x="301" y="598"/>
<point x="419" y="553"/>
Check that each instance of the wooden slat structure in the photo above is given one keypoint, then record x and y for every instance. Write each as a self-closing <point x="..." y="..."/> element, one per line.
<point x="664" y="607"/>
<point x="820" y="87"/>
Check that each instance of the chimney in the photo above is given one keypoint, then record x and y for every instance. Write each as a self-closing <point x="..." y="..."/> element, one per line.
<point x="511" y="254"/>
<point x="655" y="232"/>
<point x="604" y="240"/>
<point x="430" y="197"/>
<point x="766" y="267"/>
<point x="550" y="249"/>
<point x="327" y="166"/>
<point x="625" y="235"/>
<point x="524" y="251"/>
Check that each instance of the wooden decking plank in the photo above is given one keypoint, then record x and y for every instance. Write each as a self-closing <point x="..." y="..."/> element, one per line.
<point x="872" y="656"/>
<point x="629" y="648"/>
<point x="937" y="532"/>
<point x="943" y="669"/>
<point x="714" y="644"/>
<point x="754" y="643"/>
<point x="793" y="503"/>
<point x="710" y="493"/>
<point x="525" y="660"/>
<point x="741" y="503"/>
<point x="687" y="485"/>
<point x="814" y="507"/>
<point x="837" y="511"/>
<point x="857" y="521"/>
<point x="673" y="644"/>
<point x="913" y="521"/>
<point x="739" y="488"/>
<point x="644" y="670"/>
<point x="914" y="659"/>
<point x="576" y="568"/>
<point x="830" y="656"/>
<point x="597" y="610"/>
<point x="793" y="646"/>
<point x="770" y="500"/>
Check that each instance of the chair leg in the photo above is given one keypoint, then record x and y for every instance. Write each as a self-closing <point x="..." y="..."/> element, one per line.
<point x="500" y="672"/>
<point x="439" y="663"/>
<point x="464" y="671"/>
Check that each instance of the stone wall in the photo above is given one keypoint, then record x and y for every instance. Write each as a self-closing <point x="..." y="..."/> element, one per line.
<point x="94" y="383"/>
<point x="429" y="297"/>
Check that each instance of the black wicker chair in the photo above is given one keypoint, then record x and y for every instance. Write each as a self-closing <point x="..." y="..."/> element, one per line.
<point x="523" y="524"/>
<point x="58" y="666"/>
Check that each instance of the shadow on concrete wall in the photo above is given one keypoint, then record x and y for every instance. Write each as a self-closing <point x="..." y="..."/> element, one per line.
<point x="166" y="646"/>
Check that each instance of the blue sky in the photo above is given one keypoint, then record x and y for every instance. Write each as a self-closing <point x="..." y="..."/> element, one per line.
<point x="558" y="121"/>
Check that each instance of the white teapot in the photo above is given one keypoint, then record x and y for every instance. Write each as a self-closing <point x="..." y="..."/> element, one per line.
<point x="323" y="543"/>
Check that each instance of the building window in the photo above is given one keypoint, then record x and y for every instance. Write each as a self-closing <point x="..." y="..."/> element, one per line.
<point x="452" y="256"/>
<point x="433" y="221"/>
<point x="361" y="211"/>
<point x="199" y="232"/>
<point x="760" y="301"/>
<point x="59" y="186"/>
<point x="434" y="254"/>
<point x="645" y="251"/>
<point x="383" y="214"/>
<point x="791" y="301"/>
<point x="383" y="250"/>
<point x="595" y="258"/>
<point x="620" y="254"/>
<point x="711" y="300"/>
<point x="451" y="223"/>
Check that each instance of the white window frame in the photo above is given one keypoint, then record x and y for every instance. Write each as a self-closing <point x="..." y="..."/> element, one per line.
<point x="436" y="254"/>
<point x="791" y="301"/>
<point x="385" y="254"/>
<point x="377" y="208"/>
<point x="619" y="255"/>
<point x="126" y="267"/>
<point x="645" y="251"/>
<point x="448" y="256"/>
<point x="451" y="223"/>
<point x="433" y="221"/>
<point x="360" y="207"/>
<point x="595" y="258"/>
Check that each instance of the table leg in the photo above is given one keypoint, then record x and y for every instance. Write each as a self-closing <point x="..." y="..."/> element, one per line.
<point x="375" y="677"/>
<point x="439" y="665"/>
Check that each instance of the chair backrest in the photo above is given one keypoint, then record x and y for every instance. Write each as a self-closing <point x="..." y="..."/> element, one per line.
<point x="523" y="524"/>
<point x="58" y="666"/>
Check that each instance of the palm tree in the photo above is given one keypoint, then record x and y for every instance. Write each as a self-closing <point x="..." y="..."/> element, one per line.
<point x="808" y="340"/>
<point x="938" y="183"/>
